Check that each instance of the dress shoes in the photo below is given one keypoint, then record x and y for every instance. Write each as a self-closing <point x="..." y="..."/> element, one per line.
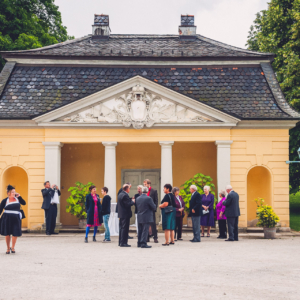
<point x="192" y="241"/>
<point x="130" y="237"/>
<point x="47" y="233"/>
<point x="155" y="241"/>
<point x="86" y="240"/>
<point x="54" y="233"/>
<point x="94" y="239"/>
<point x="125" y="245"/>
<point x="228" y="240"/>
<point x="146" y="246"/>
<point x="139" y="245"/>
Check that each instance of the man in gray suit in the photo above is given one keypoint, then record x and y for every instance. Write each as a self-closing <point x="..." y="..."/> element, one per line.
<point x="145" y="208"/>
<point x="232" y="213"/>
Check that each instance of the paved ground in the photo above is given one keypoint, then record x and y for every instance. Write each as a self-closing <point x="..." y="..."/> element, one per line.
<point x="63" y="267"/>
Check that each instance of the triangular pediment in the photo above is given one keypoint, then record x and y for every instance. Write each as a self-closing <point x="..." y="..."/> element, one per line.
<point x="137" y="103"/>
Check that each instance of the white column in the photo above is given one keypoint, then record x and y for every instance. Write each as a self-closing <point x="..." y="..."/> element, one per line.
<point x="110" y="169"/>
<point x="166" y="164"/>
<point x="53" y="167"/>
<point x="223" y="163"/>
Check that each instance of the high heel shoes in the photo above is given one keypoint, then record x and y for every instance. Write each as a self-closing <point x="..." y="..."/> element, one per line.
<point x="12" y="250"/>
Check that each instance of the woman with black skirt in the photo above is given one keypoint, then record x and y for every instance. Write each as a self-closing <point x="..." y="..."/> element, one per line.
<point x="10" y="222"/>
<point x="168" y="218"/>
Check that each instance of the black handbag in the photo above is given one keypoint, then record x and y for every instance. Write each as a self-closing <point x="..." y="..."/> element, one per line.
<point x="169" y="208"/>
<point x="22" y="212"/>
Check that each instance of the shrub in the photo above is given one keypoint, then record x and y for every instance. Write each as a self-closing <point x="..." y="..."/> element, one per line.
<point x="295" y="203"/>
<point x="265" y="215"/>
<point x="200" y="181"/>
<point x="76" y="201"/>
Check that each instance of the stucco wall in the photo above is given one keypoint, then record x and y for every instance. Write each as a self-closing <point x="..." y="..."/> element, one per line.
<point x="267" y="148"/>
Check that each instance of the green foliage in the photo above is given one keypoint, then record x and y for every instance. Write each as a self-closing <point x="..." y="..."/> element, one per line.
<point x="77" y="200"/>
<point x="277" y="30"/>
<point x="295" y="203"/>
<point x="295" y="211"/>
<point x="200" y="181"/>
<point x="30" y="24"/>
<point x="265" y="214"/>
<point x="293" y="156"/>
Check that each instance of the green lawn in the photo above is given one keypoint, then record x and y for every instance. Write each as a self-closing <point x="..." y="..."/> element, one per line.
<point x="295" y="211"/>
<point x="295" y="221"/>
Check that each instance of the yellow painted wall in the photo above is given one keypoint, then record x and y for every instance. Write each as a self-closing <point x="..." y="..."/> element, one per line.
<point x="17" y="177"/>
<point x="23" y="148"/>
<point x="267" y="148"/>
<point x="259" y="185"/>
<point x="250" y="148"/>
<point x="80" y="162"/>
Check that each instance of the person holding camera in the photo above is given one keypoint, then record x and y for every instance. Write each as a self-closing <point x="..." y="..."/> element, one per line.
<point x="50" y="206"/>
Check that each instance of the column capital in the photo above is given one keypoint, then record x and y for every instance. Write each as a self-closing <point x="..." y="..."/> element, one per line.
<point x="112" y="144"/>
<point x="52" y="144"/>
<point x="225" y="143"/>
<point x="166" y="143"/>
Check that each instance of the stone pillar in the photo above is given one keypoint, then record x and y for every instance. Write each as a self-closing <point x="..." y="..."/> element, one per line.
<point x="53" y="168"/>
<point x="110" y="169"/>
<point x="166" y="164"/>
<point x="223" y="164"/>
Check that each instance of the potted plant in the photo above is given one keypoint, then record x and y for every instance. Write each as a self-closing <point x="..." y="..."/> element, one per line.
<point x="76" y="202"/>
<point x="266" y="219"/>
<point x="200" y="180"/>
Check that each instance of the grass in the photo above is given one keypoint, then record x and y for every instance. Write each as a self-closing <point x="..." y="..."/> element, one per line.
<point x="295" y="221"/>
<point x="295" y="211"/>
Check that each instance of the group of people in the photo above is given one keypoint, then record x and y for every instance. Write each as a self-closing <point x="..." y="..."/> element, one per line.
<point x="201" y="211"/>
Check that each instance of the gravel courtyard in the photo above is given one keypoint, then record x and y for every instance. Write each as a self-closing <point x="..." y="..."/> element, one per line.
<point x="63" y="267"/>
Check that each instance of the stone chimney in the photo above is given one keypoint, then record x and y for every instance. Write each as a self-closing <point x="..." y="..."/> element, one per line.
<point x="101" y="26"/>
<point x="187" y="29"/>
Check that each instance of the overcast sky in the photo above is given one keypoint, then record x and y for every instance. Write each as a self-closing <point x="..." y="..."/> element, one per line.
<point x="226" y="21"/>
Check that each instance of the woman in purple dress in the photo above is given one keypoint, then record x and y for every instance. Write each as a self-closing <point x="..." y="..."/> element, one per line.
<point x="208" y="211"/>
<point x="220" y="209"/>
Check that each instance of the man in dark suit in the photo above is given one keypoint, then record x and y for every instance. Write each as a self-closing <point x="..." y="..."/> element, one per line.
<point x="50" y="207"/>
<point x="119" y="192"/>
<point x="124" y="213"/>
<point x="145" y="209"/>
<point x="232" y="213"/>
<point x="154" y="195"/>
<point x="195" y="213"/>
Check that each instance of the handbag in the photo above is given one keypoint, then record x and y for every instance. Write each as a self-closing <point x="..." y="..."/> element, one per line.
<point x="204" y="212"/>
<point x="169" y="208"/>
<point x="22" y="213"/>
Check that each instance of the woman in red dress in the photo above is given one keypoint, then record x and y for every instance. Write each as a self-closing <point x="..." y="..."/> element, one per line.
<point x="94" y="212"/>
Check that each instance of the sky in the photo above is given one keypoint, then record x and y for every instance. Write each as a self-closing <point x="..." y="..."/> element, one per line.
<point x="227" y="21"/>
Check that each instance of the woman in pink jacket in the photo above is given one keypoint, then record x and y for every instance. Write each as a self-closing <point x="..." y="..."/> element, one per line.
<point x="220" y="209"/>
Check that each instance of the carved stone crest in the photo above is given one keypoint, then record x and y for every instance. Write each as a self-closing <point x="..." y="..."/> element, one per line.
<point x="138" y="108"/>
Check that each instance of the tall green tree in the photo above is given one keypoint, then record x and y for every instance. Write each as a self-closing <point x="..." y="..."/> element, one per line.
<point x="277" y="30"/>
<point x="29" y="24"/>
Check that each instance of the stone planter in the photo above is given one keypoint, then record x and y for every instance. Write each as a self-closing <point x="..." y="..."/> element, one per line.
<point x="189" y="222"/>
<point x="269" y="233"/>
<point x="82" y="223"/>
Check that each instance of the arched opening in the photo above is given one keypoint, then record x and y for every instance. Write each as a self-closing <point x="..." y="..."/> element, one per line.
<point x="258" y="185"/>
<point x="17" y="177"/>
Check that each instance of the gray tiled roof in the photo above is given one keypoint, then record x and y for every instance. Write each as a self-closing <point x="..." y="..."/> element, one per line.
<point x="240" y="91"/>
<point x="141" y="46"/>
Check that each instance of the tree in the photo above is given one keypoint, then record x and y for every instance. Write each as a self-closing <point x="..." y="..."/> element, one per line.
<point x="277" y="30"/>
<point x="30" y="24"/>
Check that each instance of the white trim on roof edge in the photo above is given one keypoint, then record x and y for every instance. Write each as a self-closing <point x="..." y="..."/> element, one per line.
<point x="101" y="62"/>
